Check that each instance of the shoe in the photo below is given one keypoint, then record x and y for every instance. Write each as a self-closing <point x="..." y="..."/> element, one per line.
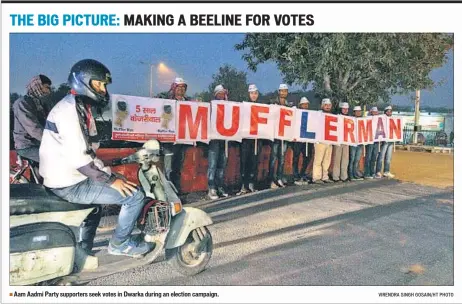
<point x="252" y="187"/>
<point x="274" y="185"/>
<point x="388" y="174"/>
<point x="280" y="183"/>
<point x="357" y="178"/>
<point x="328" y="181"/>
<point x="346" y="180"/>
<point x="368" y="177"/>
<point x="213" y="194"/>
<point x="222" y="192"/>
<point x="336" y="180"/>
<point x="131" y="247"/>
<point x="299" y="182"/>
<point x="318" y="182"/>
<point x="243" y="191"/>
<point x="378" y="175"/>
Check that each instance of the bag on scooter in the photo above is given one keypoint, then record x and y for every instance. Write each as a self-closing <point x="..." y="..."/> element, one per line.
<point x="40" y="252"/>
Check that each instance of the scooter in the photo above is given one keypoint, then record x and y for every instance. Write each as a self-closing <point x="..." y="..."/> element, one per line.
<point x="44" y="229"/>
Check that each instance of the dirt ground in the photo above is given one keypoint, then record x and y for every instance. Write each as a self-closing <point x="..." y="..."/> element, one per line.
<point x="430" y="169"/>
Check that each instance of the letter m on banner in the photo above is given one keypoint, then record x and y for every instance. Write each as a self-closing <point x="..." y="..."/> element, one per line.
<point x="192" y="122"/>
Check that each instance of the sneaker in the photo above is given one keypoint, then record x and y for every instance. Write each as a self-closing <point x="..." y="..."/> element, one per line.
<point x="274" y="186"/>
<point x="328" y="181"/>
<point x="358" y="178"/>
<point x="299" y="182"/>
<point x="318" y="182"/>
<point x="222" y="192"/>
<point x="378" y="175"/>
<point x="368" y="177"/>
<point x="252" y="187"/>
<point x="346" y="180"/>
<point x="280" y="183"/>
<point x="336" y="180"/>
<point x="388" y="174"/>
<point x="213" y="194"/>
<point x="243" y="191"/>
<point x="131" y="247"/>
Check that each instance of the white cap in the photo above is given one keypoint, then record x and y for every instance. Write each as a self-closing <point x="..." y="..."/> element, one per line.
<point x="357" y="108"/>
<point x="388" y="108"/>
<point x="253" y="88"/>
<point x="326" y="101"/>
<point x="373" y="109"/>
<point x="304" y="100"/>
<point x="283" y="86"/>
<point x="218" y="88"/>
<point x="179" y="80"/>
<point x="344" y="105"/>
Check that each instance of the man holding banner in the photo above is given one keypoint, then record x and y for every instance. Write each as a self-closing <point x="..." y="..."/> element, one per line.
<point x="386" y="150"/>
<point x="249" y="154"/>
<point x="279" y="147"/>
<point x="174" y="153"/>
<point x="217" y="157"/>
<point x="306" y="149"/>
<point x="372" y="152"/>
<point x="341" y="154"/>
<point x="322" y="152"/>
<point x="355" y="153"/>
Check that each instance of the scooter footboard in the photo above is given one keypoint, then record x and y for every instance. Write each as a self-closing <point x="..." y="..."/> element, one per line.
<point x="183" y="223"/>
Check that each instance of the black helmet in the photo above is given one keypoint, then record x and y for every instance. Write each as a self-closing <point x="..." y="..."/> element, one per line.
<point x="82" y="73"/>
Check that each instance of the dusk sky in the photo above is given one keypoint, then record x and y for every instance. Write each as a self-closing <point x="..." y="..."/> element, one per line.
<point x="195" y="57"/>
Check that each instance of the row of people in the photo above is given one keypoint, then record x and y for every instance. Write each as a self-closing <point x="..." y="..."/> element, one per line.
<point x="346" y="162"/>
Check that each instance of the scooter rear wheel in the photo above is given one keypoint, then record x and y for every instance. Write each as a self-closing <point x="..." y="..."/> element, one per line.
<point x="185" y="260"/>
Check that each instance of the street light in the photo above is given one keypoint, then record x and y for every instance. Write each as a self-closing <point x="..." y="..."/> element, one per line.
<point x="150" y="82"/>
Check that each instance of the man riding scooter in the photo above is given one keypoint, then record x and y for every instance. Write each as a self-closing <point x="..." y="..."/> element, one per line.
<point x="69" y="165"/>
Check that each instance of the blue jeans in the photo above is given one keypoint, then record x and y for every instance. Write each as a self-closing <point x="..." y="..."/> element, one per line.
<point x="353" y="164"/>
<point x="217" y="164"/>
<point x="386" y="150"/>
<point x="173" y="161"/>
<point x="372" y="152"/>
<point x="278" y="152"/>
<point x="300" y="148"/>
<point x="93" y="192"/>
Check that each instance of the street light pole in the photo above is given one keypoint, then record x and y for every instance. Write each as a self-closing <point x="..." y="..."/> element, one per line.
<point x="416" y="115"/>
<point x="150" y="83"/>
<point x="151" y="91"/>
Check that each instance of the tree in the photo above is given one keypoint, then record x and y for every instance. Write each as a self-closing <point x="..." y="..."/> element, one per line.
<point x="360" y="68"/>
<point x="233" y="80"/>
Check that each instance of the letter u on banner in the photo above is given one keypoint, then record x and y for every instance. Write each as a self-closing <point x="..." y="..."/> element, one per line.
<point x="225" y="120"/>
<point x="193" y="122"/>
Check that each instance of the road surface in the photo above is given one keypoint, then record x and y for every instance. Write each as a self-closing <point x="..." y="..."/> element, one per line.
<point x="378" y="232"/>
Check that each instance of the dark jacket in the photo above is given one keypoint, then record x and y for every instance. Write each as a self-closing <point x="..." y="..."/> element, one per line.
<point x="29" y="120"/>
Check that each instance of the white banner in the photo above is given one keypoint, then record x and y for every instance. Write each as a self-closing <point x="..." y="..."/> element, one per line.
<point x="226" y="120"/>
<point x="258" y="120"/>
<point x="141" y="118"/>
<point x="193" y="122"/>
<point x="285" y="123"/>
<point x="380" y="127"/>
<point x="187" y="122"/>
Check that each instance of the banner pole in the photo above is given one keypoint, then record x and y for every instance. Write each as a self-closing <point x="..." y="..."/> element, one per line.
<point x="394" y="147"/>
<point x="256" y="147"/>
<point x="306" y="149"/>
<point x="226" y="148"/>
<point x="380" y="145"/>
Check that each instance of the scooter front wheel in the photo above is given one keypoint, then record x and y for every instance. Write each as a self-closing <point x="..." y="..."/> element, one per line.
<point x="193" y="256"/>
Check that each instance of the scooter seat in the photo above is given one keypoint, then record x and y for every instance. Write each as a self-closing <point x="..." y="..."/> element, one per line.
<point x="34" y="198"/>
